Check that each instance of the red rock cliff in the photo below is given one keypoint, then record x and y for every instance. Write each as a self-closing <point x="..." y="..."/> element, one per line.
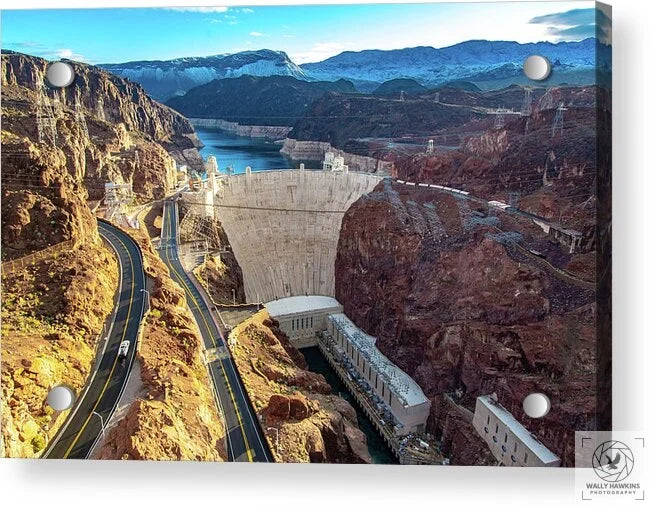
<point x="465" y="314"/>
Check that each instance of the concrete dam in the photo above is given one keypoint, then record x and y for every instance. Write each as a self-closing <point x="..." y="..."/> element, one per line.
<point x="283" y="227"/>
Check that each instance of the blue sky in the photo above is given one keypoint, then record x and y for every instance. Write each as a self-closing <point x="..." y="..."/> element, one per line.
<point x="306" y="33"/>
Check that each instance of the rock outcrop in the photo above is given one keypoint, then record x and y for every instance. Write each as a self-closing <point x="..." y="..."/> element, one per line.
<point x="119" y="116"/>
<point x="221" y="275"/>
<point x="52" y="314"/>
<point x="313" y="425"/>
<point x="461" y="309"/>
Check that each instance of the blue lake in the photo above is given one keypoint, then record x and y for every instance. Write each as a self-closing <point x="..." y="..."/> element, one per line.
<point x="238" y="152"/>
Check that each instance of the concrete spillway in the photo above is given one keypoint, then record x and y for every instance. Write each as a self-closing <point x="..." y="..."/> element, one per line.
<point x="284" y="227"/>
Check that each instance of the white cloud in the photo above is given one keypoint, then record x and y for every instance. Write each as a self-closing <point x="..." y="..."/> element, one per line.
<point x="197" y="9"/>
<point x="256" y="34"/>
<point x="69" y="54"/>
<point x="246" y="10"/>
<point x="38" y="49"/>
<point x="289" y="36"/>
<point x="318" y="52"/>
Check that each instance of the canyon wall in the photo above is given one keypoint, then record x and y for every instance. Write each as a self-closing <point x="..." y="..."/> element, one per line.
<point x="54" y="310"/>
<point x="100" y="121"/>
<point x="465" y="313"/>
<point x="263" y="131"/>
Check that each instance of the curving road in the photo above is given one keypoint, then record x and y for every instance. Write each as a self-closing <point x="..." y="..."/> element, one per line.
<point x="96" y="404"/>
<point x="244" y="438"/>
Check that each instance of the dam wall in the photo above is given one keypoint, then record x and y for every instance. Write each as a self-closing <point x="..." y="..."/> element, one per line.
<point x="283" y="227"/>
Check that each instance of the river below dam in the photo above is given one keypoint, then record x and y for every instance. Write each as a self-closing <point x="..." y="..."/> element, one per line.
<point x="380" y="452"/>
<point x="239" y="152"/>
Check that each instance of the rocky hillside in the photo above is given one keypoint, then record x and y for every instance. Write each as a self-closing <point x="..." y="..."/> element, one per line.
<point x="165" y="79"/>
<point x="101" y="121"/>
<point x="314" y="425"/>
<point x="461" y="308"/>
<point x="54" y="310"/>
<point x="398" y="86"/>
<point x="52" y="314"/>
<point x="489" y="64"/>
<point x="119" y="116"/>
<point x="367" y="116"/>
<point x="551" y="176"/>
<point x="249" y="100"/>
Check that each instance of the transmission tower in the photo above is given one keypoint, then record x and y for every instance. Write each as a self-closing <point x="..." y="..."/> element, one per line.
<point x="547" y="101"/>
<point x="116" y="196"/>
<point x="80" y="117"/>
<point x="46" y="122"/>
<point x="100" y="109"/>
<point x="514" y="198"/>
<point x="557" y="126"/>
<point x="526" y="103"/>
<point x="198" y="227"/>
<point x="430" y="147"/>
<point x="500" y="118"/>
<point x="402" y="95"/>
<point x="136" y="158"/>
<point x="57" y="105"/>
<point x="437" y="97"/>
<point x="465" y="213"/>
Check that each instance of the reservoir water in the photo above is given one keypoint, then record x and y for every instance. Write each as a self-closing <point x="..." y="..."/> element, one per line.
<point x="380" y="452"/>
<point x="239" y="151"/>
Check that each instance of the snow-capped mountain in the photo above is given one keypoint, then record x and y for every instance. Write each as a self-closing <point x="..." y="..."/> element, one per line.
<point x="489" y="64"/>
<point x="166" y="78"/>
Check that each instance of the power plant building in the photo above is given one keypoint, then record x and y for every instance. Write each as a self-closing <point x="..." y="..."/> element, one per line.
<point x="302" y="317"/>
<point x="399" y="396"/>
<point x="510" y="442"/>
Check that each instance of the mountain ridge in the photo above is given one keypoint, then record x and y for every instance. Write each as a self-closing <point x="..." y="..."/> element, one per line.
<point x="256" y="100"/>
<point x="486" y="64"/>
<point x="164" y="79"/>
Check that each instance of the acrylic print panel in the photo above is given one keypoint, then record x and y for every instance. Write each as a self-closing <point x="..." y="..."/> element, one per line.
<point x="254" y="234"/>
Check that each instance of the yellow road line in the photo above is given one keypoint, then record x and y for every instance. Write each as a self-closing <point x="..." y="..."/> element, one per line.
<point x="115" y="361"/>
<point x="212" y="338"/>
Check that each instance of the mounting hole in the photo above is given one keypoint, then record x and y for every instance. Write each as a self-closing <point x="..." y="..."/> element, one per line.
<point x="60" y="398"/>
<point x="60" y="74"/>
<point x="536" y="405"/>
<point x="537" y="67"/>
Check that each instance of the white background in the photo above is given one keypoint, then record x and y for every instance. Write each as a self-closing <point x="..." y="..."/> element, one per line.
<point x="53" y="483"/>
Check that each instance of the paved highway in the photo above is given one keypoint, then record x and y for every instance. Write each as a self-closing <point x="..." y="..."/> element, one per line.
<point x="244" y="438"/>
<point x="96" y="404"/>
